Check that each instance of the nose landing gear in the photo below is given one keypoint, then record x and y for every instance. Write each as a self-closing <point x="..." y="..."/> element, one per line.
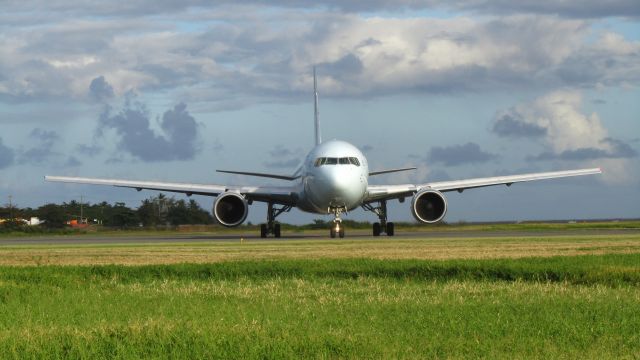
<point x="337" y="229"/>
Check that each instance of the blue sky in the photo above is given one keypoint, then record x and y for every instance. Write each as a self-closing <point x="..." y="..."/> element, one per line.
<point x="173" y="90"/>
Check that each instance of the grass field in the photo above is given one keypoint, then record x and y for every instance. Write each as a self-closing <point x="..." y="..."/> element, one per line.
<point x="571" y="296"/>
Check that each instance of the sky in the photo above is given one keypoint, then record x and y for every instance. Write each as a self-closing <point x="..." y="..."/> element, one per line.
<point x="173" y="90"/>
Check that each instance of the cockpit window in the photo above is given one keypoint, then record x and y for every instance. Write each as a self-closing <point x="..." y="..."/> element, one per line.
<point x="335" y="161"/>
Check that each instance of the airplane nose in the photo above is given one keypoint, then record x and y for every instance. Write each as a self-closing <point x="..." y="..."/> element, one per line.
<point x="343" y="187"/>
<point x="339" y="181"/>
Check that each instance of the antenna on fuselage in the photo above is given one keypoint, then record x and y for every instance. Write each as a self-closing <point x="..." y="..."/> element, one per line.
<point x="316" y="113"/>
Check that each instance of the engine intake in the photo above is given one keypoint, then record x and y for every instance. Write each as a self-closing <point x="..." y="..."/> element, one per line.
<point x="429" y="206"/>
<point x="230" y="209"/>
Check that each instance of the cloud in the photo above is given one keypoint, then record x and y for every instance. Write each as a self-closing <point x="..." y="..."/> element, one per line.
<point x="469" y="153"/>
<point x="89" y="150"/>
<point x="280" y="151"/>
<point x="283" y="164"/>
<point x="283" y="158"/>
<point x="557" y="119"/>
<point x="586" y="9"/>
<point x="100" y="89"/>
<point x="72" y="161"/>
<point x="347" y="66"/>
<point x="43" y="150"/>
<point x="511" y="125"/>
<point x="615" y="149"/>
<point x="261" y="56"/>
<point x="571" y="135"/>
<point x="7" y="156"/>
<point x="133" y="128"/>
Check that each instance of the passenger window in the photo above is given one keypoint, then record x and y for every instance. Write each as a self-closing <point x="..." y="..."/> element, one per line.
<point x="344" y="161"/>
<point x="354" y="161"/>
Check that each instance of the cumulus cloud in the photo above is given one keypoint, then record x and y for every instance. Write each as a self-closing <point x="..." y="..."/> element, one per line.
<point x="612" y="149"/>
<point x="223" y="62"/>
<point x="569" y="134"/>
<point x="7" y="155"/>
<point x="72" y="161"/>
<point x="282" y="164"/>
<point x="558" y="118"/>
<point x="469" y="153"/>
<point x="283" y="158"/>
<point x="43" y="142"/>
<point x="132" y="126"/>
<point x="511" y="125"/>
<point x="100" y="89"/>
<point x="89" y="150"/>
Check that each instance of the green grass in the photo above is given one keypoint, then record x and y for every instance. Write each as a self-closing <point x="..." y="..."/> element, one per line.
<point x="558" y="307"/>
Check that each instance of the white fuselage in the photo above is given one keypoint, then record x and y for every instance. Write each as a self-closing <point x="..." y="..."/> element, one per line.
<point x="334" y="175"/>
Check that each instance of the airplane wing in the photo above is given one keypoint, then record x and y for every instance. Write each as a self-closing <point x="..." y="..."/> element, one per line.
<point x="272" y="176"/>
<point x="373" y="173"/>
<point x="277" y="194"/>
<point x="385" y="192"/>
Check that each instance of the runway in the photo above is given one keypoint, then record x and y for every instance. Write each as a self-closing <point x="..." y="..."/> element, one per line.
<point x="111" y="239"/>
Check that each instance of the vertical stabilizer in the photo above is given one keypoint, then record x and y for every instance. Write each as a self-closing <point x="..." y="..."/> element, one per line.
<point x="316" y="114"/>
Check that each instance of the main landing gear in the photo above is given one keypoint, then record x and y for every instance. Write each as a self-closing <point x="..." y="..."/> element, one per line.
<point x="383" y="226"/>
<point x="271" y="227"/>
<point x="337" y="229"/>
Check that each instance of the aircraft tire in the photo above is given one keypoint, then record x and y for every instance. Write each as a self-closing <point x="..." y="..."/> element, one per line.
<point x="376" y="229"/>
<point x="276" y="230"/>
<point x="341" y="233"/>
<point x="263" y="230"/>
<point x="390" y="229"/>
<point x="332" y="233"/>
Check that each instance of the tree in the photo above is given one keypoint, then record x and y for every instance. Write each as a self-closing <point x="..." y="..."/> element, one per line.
<point x="53" y="215"/>
<point x="198" y="215"/>
<point x="148" y="212"/>
<point x="122" y="216"/>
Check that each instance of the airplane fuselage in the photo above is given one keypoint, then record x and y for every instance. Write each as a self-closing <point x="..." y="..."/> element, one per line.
<point x="334" y="175"/>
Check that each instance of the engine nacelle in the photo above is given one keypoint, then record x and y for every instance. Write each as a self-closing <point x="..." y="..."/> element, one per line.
<point x="230" y="209"/>
<point x="429" y="206"/>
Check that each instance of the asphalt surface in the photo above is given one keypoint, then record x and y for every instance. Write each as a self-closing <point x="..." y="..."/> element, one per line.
<point x="234" y="237"/>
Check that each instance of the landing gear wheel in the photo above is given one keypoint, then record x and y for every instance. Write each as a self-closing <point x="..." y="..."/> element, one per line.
<point x="376" y="229"/>
<point x="332" y="233"/>
<point x="341" y="233"/>
<point x="276" y="230"/>
<point x="263" y="230"/>
<point x="390" y="229"/>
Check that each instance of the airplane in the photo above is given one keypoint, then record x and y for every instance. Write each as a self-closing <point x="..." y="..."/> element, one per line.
<point x="333" y="179"/>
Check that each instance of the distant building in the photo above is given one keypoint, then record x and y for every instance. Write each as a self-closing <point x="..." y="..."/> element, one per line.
<point x="31" y="222"/>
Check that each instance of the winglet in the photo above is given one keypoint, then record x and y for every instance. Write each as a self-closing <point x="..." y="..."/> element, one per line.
<point x="316" y="117"/>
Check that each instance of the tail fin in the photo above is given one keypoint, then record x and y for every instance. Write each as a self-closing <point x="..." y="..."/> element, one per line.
<point x="315" y="108"/>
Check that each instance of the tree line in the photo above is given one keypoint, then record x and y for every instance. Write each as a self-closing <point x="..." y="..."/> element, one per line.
<point x="154" y="211"/>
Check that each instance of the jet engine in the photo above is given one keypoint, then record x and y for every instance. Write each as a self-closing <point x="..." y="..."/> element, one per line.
<point x="429" y="206"/>
<point x="230" y="209"/>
